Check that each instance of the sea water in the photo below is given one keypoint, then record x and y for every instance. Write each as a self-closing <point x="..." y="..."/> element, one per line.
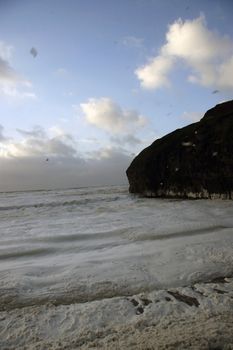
<point x="85" y="244"/>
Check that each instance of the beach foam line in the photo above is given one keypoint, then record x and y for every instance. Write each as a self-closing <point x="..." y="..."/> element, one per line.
<point x="60" y="203"/>
<point x="194" y="317"/>
<point x="184" y="233"/>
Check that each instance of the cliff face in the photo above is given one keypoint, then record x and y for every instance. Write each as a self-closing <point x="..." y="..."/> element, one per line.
<point x="193" y="162"/>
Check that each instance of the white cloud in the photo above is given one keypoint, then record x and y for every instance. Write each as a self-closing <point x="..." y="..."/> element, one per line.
<point x="36" y="143"/>
<point x="194" y="42"/>
<point x="208" y="55"/>
<point x="154" y="74"/>
<point x="11" y="83"/>
<point x="109" y="116"/>
<point x="106" y="153"/>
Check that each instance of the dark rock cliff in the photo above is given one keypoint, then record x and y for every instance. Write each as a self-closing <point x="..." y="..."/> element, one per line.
<point x="193" y="162"/>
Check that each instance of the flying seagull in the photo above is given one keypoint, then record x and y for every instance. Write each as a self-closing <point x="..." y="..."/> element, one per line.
<point x="33" y="52"/>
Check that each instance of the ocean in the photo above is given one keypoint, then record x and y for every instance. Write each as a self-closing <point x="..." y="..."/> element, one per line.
<point x="78" y="246"/>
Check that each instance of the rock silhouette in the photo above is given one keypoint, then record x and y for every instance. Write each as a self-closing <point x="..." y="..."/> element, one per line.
<point x="192" y="162"/>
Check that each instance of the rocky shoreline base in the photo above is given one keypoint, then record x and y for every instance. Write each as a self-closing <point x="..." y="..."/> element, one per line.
<point x="193" y="317"/>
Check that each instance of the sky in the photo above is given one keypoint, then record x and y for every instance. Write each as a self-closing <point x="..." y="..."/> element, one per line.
<point x="86" y="85"/>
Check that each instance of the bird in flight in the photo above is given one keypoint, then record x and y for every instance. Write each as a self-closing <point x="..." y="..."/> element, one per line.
<point x="33" y="52"/>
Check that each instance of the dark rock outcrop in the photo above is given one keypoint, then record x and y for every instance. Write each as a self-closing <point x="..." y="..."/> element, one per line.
<point x="193" y="162"/>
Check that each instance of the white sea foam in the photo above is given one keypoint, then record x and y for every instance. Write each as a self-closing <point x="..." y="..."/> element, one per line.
<point x="72" y="246"/>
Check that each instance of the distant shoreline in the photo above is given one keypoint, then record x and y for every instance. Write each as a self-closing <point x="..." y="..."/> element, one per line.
<point x="61" y="189"/>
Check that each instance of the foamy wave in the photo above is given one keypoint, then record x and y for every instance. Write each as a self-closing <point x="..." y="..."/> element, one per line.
<point x="88" y="244"/>
<point x="77" y="202"/>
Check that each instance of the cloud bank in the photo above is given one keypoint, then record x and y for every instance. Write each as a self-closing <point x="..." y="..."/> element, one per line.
<point x="208" y="55"/>
<point x="42" y="161"/>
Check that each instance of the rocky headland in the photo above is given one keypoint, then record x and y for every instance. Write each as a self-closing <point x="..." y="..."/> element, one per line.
<point x="192" y="162"/>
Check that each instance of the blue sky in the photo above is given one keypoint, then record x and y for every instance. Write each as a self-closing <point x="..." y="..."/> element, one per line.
<point x="106" y="79"/>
